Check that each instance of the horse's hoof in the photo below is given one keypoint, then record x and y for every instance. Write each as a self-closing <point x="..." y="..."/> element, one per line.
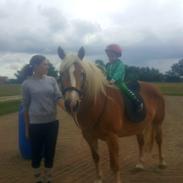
<point x="162" y="165"/>
<point x="139" y="167"/>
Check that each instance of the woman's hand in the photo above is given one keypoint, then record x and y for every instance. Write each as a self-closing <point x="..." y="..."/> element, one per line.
<point x="112" y="81"/>
<point x="61" y="104"/>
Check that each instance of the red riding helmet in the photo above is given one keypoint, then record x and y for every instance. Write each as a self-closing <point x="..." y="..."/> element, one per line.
<point x="115" y="48"/>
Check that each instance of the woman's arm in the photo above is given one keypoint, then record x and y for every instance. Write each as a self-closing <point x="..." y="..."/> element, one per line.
<point x="58" y="95"/>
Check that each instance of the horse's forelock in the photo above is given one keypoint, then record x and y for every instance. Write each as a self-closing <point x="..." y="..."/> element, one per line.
<point x="68" y="61"/>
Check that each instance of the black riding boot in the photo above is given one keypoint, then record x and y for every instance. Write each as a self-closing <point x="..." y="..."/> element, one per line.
<point x="138" y="105"/>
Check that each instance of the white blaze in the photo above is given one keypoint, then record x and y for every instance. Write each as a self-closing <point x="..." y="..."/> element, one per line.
<point x="74" y="94"/>
<point x="72" y="78"/>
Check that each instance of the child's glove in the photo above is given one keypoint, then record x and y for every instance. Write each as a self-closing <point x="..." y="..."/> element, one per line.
<point x="112" y="81"/>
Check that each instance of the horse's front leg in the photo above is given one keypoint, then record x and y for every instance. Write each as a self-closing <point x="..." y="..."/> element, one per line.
<point x="112" y="142"/>
<point x="93" y="144"/>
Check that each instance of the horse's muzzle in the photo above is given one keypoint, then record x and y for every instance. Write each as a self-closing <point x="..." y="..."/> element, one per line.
<point x="71" y="107"/>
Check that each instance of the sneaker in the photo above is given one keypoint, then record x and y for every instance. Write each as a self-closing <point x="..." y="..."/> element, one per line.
<point x="37" y="175"/>
<point x="48" y="179"/>
<point x="48" y="175"/>
<point x="39" y="179"/>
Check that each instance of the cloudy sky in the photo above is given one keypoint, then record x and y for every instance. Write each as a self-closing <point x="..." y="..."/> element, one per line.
<point x="149" y="31"/>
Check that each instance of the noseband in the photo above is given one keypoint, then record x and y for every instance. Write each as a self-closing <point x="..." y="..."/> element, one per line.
<point x="71" y="88"/>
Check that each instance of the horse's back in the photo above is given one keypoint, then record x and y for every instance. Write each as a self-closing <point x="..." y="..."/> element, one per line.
<point x="115" y="118"/>
<point x="149" y="89"/>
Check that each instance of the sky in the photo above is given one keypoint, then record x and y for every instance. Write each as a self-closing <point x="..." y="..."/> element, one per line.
<point x="150" y="32"/>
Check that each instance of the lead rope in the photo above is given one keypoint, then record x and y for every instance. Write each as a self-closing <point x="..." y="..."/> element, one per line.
<point x="74" y="116"/>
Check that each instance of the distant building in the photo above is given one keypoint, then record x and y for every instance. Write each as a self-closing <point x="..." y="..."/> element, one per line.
<point x="3" y="79"/>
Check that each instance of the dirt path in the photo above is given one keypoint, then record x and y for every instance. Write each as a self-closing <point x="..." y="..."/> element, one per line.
<point x="73" y="163"/>
<point x="8" y="98"/>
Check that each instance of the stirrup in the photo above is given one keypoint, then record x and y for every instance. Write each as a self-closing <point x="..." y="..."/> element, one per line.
<point x="140" y="107"/>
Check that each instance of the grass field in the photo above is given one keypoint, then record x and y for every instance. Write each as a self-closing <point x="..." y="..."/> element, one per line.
<point x="173" y="89"/>
<point x="9" y="89"/>
<point x="9" y="107"/>
<point x="166" y="88"/>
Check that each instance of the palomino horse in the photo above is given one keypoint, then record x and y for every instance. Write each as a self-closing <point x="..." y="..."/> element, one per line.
<point x="98" y="108"/>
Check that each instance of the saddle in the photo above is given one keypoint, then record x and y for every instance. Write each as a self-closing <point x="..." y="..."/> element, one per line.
<point x="131" y="112"/>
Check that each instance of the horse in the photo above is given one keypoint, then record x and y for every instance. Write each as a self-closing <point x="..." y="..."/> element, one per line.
<point x="98" y="109"/>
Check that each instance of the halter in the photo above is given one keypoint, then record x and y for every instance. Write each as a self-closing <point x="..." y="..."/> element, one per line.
<point x="71" y="88"/>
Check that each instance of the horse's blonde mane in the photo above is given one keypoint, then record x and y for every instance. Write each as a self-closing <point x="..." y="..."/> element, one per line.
<point x="95" y="79"/>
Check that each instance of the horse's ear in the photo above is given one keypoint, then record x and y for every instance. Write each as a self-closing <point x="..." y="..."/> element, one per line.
<point x="81" y="53"/>
<point x="61" y="53"/>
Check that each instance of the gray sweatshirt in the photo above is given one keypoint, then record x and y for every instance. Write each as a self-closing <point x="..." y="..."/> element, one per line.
<point x="40" y="97"/>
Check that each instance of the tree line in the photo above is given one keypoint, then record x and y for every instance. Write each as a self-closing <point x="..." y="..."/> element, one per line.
<point x="175" y="74"/>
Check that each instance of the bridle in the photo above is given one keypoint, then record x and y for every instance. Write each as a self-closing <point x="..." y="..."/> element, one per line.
<point x="71" y="88"/>
<point x="79" y="91"/>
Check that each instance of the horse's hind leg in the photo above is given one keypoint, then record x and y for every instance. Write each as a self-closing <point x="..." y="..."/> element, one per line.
<point x="93" y="144"/>
<point x="140" y="140"/>
<point x="112" y="142"/>
<point x="158" y="137"/>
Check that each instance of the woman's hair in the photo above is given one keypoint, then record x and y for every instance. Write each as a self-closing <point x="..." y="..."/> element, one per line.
<point x="29" y="68"/>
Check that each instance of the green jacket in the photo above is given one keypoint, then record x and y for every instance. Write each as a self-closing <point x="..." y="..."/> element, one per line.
<point x="116" y="71"/>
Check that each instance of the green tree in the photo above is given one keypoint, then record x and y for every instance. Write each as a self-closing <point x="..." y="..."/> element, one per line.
<point x="52" y="71"/>
<point x="143" y="74"/>
<point x="132" y="73"/>
<point x="20" y="74"/>
<point x="178" y="68"/>
<point x="175" y="74"/>
<point x="171" y="76"/>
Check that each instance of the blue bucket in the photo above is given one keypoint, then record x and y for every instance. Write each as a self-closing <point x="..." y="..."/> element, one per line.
<point x="24" y="144"/>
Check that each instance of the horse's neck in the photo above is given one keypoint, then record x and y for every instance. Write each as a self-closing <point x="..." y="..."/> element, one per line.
<point x="91" y="111"/>
<point x="86" y="104"/>
<point x="85" y="114"/>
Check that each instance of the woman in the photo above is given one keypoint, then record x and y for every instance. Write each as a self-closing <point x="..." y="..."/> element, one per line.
<point x="115" y="70"/>
<point x="40" y="98"/>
